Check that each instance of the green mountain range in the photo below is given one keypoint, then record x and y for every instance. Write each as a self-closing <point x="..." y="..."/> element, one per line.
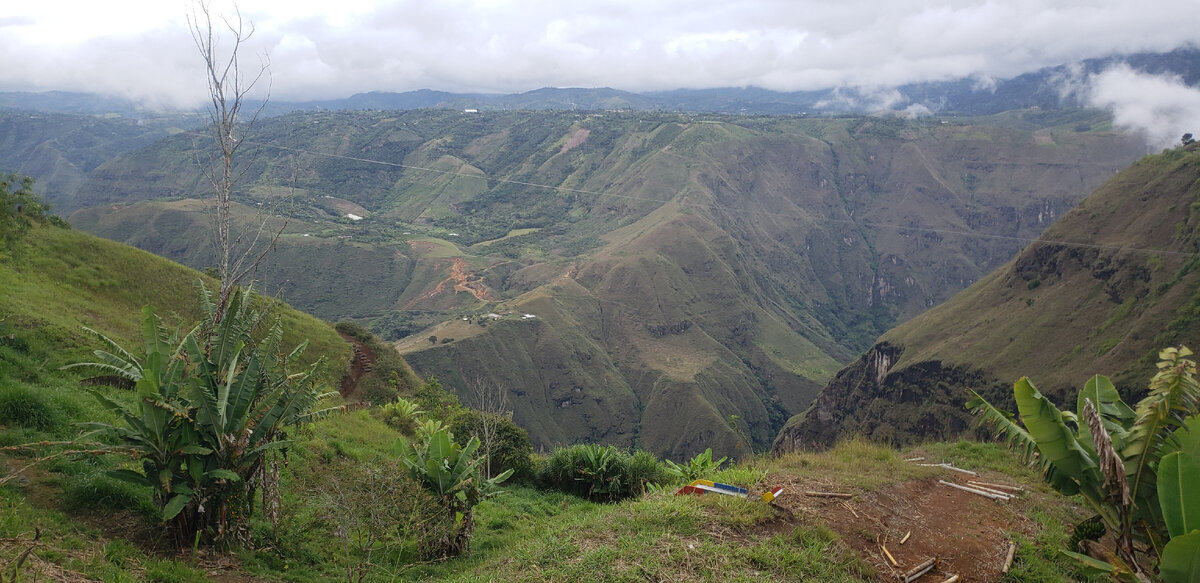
<point x="1100" y="292"/>
<point x="674" y="282"/>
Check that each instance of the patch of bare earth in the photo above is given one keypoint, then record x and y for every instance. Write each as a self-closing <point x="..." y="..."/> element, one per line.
<point x="576" y="138"/>
<point x="364" y="359"/>
<point x="967" y="533"/>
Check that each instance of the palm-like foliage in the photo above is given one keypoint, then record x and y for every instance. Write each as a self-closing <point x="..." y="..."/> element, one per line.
<point x="451" y="473"/>
<point x="211" y="405"/>
<point x="1106" y="452"/>
<point x="701" y="466"/>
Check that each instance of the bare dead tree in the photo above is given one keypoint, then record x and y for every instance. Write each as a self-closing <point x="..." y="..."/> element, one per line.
<point x="491" y="399"/>
<point x="229" y="88"/>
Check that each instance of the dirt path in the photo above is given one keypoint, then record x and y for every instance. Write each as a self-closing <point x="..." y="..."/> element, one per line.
<point x="363" y="361"/>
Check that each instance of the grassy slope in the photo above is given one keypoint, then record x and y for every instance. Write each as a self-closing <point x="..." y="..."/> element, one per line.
<point x="53" y="282"/>
<point x="93" y="527"/>
<point x="59" y="280"/>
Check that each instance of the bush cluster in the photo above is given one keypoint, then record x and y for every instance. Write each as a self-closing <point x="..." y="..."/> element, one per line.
<point x="507" y="448"/>
<point x="601" y="473"/>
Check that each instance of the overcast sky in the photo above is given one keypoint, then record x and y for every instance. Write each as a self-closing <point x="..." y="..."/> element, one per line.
<point x="333" y="48"/>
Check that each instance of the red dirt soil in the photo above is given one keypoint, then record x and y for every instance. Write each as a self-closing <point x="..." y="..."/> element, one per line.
<point x="964" y="531"/>
<point x="463" y="280"/>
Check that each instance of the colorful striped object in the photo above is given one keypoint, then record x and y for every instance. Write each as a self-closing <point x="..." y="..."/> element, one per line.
<point x="699" y="487"/>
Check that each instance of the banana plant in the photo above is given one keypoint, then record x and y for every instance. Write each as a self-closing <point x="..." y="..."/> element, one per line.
<point x="1105" y="451"/>
<point x="701" y="466"/>
<point x="210" y="407"/>
<point x="451" y="473"/>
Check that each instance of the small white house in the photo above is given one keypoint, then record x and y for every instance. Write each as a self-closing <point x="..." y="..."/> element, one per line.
<point x="353" y="217"/>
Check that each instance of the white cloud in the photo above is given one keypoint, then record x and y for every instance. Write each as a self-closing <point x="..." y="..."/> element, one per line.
<point x="328" y="49"/>
<point x="1161" y="108"/>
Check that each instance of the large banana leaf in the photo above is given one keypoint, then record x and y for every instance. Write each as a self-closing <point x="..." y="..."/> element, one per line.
<point x="1179" y="482"/>
<point x="1116" y="416"/>
<point x="1068" y="465"/>
<point x="1181" y="559"/>
<point x="1003" y="421"/>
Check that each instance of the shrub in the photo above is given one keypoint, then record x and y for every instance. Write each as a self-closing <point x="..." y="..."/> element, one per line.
<point x="503" y="444"/>
<point x="401" y="415"/>
<point x="437" y="401"/>
<point x="24" y="407"/>
<point x="227" y="377"/>
<point x="700" y="467"/>
<point x="599" y="473"/>
<point x="450" y="473"/>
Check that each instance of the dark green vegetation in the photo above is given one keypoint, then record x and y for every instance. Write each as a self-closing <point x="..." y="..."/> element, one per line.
<point x="213" y="412"/>
<point x="1057" y="312"/>
<point x="1136" y="468"/>
<point x="723" y="266"/>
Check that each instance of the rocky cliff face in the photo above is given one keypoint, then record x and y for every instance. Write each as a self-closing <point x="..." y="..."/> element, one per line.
<point x="868" y="398"/>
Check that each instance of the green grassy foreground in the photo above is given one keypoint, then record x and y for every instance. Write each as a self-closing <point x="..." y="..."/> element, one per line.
<point x="79" y="524"/>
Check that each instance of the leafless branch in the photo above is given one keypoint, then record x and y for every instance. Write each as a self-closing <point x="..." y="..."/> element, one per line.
<point x="229" y="89"/>
<point x="492" y="400"/>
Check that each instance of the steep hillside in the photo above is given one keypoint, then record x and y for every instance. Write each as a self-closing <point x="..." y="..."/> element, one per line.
<point x="718" y="266"/>
<point x="55" y="281"/>
<point x="1101" y="291"/>
<point x="59" y="150"/>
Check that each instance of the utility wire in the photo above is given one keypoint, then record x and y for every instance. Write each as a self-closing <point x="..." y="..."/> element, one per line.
<point x="726" y="208"/>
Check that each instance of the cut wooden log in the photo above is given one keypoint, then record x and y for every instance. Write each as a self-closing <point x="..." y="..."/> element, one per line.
<point x="976" y="491"/>
<point x="828" y="494"/>
<point x="916" y="572"/>
<point x="889" y="556"/>
<point x="950" y="467"/>
<point x="905" y="538"/>
<point x="1012" y="551"/>
<point x="996" y="486"/>
<point x="992" y="490"/>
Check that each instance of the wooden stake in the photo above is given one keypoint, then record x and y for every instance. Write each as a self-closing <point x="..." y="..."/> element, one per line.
<point x="915" y="459"/>
<point x="975" y="491"/>
<point x="828" y="494"/>
<point x="916" y="572"/>
<point x="952" y="579"/>
<point x="889" y="556"/>
<point x="1012" y="551"/>
<point x="906" y="535"/>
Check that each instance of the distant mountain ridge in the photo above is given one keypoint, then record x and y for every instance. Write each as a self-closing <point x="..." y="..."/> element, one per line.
<point x="971" y="96"/>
